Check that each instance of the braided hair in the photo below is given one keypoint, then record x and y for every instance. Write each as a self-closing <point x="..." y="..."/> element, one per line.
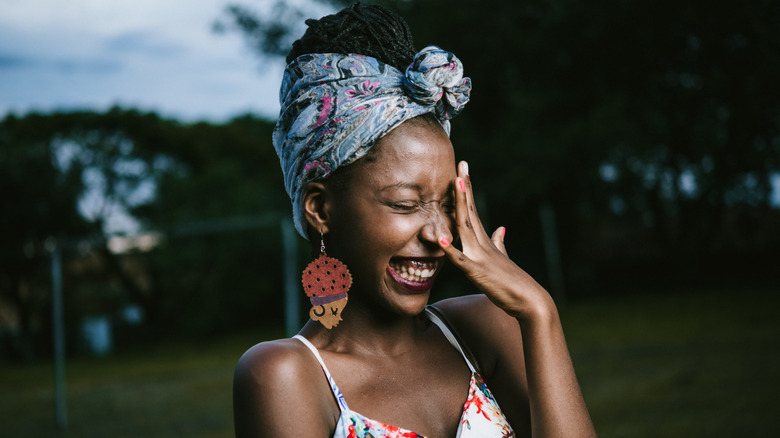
<point x="365" y="30"/>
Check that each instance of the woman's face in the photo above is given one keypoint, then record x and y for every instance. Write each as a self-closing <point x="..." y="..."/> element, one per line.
<point x="387" y="218"/>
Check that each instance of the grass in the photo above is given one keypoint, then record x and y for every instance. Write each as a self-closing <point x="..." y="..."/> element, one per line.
<point x="695" y="365"/>
<point x="167" y="390"/>
<point x="699" y="364"/>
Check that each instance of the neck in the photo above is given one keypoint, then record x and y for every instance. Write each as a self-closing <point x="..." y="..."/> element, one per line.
<point x="367" y="331"/>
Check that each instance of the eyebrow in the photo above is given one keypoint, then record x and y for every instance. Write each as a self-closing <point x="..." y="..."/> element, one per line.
<point x="402" y="185"/>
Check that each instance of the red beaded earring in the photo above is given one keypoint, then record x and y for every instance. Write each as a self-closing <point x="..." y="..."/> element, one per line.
<point x="326" y="281"/>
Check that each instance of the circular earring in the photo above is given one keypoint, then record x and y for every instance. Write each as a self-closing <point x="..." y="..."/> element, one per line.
<point x="326" y="281"/>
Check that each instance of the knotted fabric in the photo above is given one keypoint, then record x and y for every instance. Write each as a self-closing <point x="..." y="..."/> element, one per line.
<point x="334" y="107"/>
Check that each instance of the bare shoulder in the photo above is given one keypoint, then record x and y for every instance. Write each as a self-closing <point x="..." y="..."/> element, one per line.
<point x="268" y="362"/>
<point x="277" y="383"/>
<point x="496" y="341"/>
<point x="491" y="334"/>
<point x="477" y="315"/>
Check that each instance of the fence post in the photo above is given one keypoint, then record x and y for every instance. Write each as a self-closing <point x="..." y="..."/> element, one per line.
<point x="60" y="407"/>
<point x="552" y="252"/>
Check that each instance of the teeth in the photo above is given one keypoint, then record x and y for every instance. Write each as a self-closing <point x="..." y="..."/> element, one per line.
<point x="415" y="270"/>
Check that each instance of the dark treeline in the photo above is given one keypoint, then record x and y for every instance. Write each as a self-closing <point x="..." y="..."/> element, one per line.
<point x="649" y="131"/>
<point x="636" y="140"/>
<point x="66" y="177"/>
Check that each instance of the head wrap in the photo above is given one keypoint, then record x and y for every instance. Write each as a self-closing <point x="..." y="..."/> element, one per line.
<point x="334" y="107"/>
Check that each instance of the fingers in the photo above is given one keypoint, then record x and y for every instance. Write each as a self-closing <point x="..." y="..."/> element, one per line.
<point x="453" y="254"/>
<point x="498" y="239"/>
<point x="472" y="206"/>
<point x="469" y="224"/>
<point x="475" y="242"/>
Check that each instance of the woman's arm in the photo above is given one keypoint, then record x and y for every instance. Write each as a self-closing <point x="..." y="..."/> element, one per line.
<point x="536" y="344"/>
<point x="278" y="392"/>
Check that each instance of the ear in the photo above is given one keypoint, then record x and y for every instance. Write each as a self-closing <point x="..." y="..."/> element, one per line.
<point x="316" y="206"/>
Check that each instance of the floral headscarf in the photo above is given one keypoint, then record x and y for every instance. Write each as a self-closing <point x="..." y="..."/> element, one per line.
<point x="334" y="107"/>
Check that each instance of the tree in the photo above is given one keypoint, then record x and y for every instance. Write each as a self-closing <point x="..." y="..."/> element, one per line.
<point x="218" y="267"/>
<point x="39" y="206"/>
<point x="648" y="126"/>
<point x="67" y="175"/>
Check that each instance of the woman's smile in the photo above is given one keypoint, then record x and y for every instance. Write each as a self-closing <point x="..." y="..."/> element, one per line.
<point x="414" y="273"/>
<point x="387" y="212"/>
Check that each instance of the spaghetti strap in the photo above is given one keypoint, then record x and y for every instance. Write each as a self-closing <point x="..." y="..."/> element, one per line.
<point x="336" y="391"/>
<point x="450" y="336"/>
<point x="481" y="416"/>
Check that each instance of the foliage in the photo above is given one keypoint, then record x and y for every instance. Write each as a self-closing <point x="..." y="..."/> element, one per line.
<point x="220" y="209"/>
<point x="39" y="204"/>
<point x="71" y="176"/>
<point x="649" y="126"/>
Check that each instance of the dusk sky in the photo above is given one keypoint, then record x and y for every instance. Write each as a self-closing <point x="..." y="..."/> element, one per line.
<point x="146" y="54"/>
<point x="151" y="55"/>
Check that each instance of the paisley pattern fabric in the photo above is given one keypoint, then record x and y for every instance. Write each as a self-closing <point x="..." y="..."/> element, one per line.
<point x="481" y="417"/>
<point x="334" y="107"/>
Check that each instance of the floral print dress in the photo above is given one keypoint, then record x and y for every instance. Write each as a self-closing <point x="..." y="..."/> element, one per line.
<point x="481" y="415"/>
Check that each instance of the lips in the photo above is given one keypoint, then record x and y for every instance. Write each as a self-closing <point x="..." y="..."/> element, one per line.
<point x="415" y="274"/>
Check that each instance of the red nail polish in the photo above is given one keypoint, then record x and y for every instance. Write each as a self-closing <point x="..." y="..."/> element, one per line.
<point x="503" y="232"/>
<point x="462" y="185"/>
<point x="444" y="241"/>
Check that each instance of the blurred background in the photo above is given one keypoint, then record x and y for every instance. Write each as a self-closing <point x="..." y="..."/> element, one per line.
<point x="631" y="148"/>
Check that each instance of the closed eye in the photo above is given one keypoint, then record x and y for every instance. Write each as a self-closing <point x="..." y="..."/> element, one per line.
<point x="404" y="205"/>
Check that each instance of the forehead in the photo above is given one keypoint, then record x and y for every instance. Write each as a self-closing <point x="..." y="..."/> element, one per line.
<point x="414" y="150"/>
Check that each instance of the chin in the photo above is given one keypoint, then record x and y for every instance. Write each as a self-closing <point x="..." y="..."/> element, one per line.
<point x="409" y="305"/>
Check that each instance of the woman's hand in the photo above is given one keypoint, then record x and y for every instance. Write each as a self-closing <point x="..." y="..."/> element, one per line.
<point x="485" y="262"/>
<point x="556" y="404"/>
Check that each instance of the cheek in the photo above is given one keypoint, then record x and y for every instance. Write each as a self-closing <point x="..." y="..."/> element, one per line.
<point x="393" y="232"/>
<point x="404" y="225"/>
<point x="371" y="245"/>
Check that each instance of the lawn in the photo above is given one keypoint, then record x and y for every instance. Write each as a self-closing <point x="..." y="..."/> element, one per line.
<point x="700" y="364"/>
<point x="695" y="365"/>
<point x="171" y="390"/>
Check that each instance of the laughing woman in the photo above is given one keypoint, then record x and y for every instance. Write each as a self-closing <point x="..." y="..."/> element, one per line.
<point x="363" y="142"/>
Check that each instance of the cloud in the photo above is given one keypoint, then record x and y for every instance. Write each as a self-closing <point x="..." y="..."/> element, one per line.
<point x="143" y="42"/>
<point x="158" y="56"/>
<point x="88" y="66"/>
<point x="10" y="60"/>
<point x="13" y="61"/>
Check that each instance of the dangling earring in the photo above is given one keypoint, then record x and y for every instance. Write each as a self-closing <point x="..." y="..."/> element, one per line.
<point x="326" y="281"/>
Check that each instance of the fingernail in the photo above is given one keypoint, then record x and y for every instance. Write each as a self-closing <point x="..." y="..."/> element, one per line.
<point x="503" y="232"/>
<point x="462" y="185"/>
<point x="465" y="167"/>
<point x="444" y="241"/>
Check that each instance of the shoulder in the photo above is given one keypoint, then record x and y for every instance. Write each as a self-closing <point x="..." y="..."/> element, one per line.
<point x="495" y="340"/>
<point x="491" y="334"/>
<point x="477" y="314"/>
<point x="272" y="360"/>
<point x="275" y="384"/>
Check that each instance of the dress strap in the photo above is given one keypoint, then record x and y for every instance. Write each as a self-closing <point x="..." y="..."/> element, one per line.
<point x="449" y="335"/>
<point x="336" y="391"/>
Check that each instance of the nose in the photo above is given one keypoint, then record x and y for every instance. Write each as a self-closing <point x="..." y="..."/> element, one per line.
<point x="438" y="224"/>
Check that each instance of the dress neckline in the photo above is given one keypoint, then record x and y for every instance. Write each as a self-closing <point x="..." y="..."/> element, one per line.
<point x="350" y="422"/>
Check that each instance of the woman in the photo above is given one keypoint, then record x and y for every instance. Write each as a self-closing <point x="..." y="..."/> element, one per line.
<point x="364" y="146"/>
